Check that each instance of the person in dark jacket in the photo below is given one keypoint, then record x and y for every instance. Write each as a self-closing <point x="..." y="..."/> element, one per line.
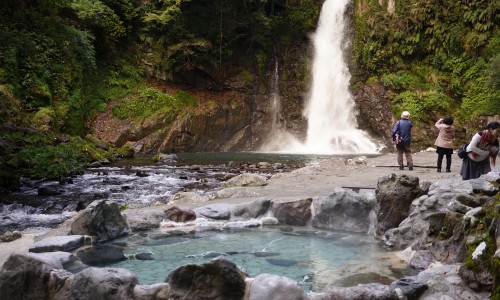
<point x="444" y="142"/>
<point x="401" y="135"/>
<point x="482" y="149"/>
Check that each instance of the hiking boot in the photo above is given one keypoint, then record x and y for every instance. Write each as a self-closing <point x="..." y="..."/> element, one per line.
<point x="410" y="168"/>
<point x="448" y="170"/>
<point x="439" y="170"/>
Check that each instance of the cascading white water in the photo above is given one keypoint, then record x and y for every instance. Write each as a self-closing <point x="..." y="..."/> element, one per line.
<point x="330" y="112"/>
<point x="330" y="109"/>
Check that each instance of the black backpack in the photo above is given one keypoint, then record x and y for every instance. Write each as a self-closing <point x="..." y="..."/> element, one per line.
<point x="462" y="151"/>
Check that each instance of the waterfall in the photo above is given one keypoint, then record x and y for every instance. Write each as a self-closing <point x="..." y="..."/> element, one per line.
<point x="330" y="111"/>
<point x="276" y="117"/>
<point x="278" y="136"/>
<point x="332" y="126"/>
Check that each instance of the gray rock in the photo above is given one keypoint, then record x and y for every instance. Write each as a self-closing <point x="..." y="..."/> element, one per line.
<point x="58" y="243"/>
<point x="10" y="236"/>
<point x="218" y="211"/>
<point x="177" y="214"/>
<point x="104" y="221"/>
<point x="250" y="210"/>
<point x="344" y="210"/>
<point x="394" y="194"/>
<point x="98" y="283"/>
<point x="158" y="291"/>
<point x="25" y="276"/>
<point x="246" y="179"/>
<point x="99" y="255"/>
<point x="445" y="283"/>
<point x="218" y="279"/>
<point x="482" y="186"/>
<point x="269" y="286"/>
<point x="410" y="287"/>
<point x="293" y="213"/>
<point x="144" y="220"/>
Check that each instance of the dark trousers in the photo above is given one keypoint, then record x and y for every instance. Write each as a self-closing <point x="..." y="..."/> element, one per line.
<point x="440" y="161"/>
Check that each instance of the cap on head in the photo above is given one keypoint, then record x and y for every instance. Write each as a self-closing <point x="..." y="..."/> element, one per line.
<point x="405" y="115"/>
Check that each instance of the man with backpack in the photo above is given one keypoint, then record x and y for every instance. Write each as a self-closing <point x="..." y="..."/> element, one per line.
<point x="401" y="135"/>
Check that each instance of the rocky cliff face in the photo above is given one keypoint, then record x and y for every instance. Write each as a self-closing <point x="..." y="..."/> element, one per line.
<point x="234" y="112"/>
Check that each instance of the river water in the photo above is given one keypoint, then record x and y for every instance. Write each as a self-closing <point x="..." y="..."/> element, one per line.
<point x="137" y="181"/>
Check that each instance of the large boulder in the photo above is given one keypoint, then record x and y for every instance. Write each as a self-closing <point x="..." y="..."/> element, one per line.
<point x="444" y="282"/>
<point x="344" y="210"/>
<point x="394" y="195"/>
<point x="25" y="276"/>
<point x="218" y="279"/>
<point x="98" y="283"/>
<point x="296" y="213"/>
<point x="436" y="224"/>
<point x="250" y="210"/>
<point x="103" y="221"/>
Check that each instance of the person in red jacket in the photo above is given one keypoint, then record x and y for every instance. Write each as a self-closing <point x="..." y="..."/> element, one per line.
<point x="444" y="142"/>
<point x="483" y="145"/>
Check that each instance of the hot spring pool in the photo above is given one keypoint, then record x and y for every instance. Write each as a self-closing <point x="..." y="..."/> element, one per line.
<point x="312" y="258"/>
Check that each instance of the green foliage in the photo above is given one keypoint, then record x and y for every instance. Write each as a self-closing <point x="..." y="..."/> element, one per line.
<point x="479" y="97"/>
<point x="150" y="101"/>
<point x="184" y="99"/>
<point x="51" y="156"/>
<point x="163" y="15"/>
<point x="494" y="73"/>
<point x="98" y="14"/>
<point x="117" y="80"/>
<point x="429" y="52"/>
<point x="421" y="104"/>
<point x="396" y="81"/>
<point x="46" y="156"/>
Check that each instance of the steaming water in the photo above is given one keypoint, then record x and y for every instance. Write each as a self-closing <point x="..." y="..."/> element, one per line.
<point x="330" y="111"/>
<point x="313" y="259"/>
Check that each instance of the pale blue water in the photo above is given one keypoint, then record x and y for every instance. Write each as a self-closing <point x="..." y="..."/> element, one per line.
<point x="312" y="258"/>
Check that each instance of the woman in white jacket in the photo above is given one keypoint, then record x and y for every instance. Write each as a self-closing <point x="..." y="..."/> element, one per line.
<point x="444" y="142"/>
<point x="483" y="145"/>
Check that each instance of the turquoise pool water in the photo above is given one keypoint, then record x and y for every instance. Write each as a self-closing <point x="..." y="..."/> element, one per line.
<point x="312" y="258"/>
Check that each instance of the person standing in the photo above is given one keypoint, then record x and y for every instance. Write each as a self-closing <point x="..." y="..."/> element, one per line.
<point x="444" y="142"/>
<point x="401" y="135"/>
<point x="482" y="146"/>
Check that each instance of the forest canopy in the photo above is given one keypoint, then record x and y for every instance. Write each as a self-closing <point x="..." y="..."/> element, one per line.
<point x="63" y="61"/>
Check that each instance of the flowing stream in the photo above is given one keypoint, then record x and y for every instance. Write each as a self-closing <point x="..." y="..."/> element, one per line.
<point x="138" y="181"/>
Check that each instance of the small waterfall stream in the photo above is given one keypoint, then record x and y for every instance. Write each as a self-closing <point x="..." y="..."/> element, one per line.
<point x="330" y="111"/>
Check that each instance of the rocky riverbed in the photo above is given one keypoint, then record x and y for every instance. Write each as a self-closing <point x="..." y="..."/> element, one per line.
<point x="441" y="203"/>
